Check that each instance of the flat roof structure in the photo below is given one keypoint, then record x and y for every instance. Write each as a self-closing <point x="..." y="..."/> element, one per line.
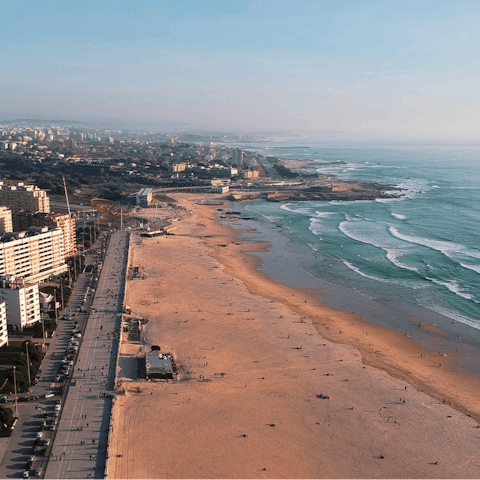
<point x="159" y="365"/>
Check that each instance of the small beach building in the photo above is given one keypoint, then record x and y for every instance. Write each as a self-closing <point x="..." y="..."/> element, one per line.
<point x="158" y="365"/>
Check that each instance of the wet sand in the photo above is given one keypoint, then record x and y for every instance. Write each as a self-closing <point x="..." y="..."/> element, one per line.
<point x="257" y="358"/>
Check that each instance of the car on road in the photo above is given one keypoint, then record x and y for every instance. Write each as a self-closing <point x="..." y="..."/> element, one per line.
<point x="49" y="395"/>
<point x="31" y="458"/>
<point x="38" y="472"/>
<point x="58" y="378"/>
<point x="39" y="435"/>
<point x="38" y="407"/>
<point x="46" y="442"/>
<point x="58" y="406"/>
<point x="25" y="474"/>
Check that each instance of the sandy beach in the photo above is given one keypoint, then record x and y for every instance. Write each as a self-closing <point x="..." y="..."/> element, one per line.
<point x="272" y="383"/>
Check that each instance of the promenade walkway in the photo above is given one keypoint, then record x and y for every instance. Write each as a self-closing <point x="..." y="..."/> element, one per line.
<point x="80" y="446"/>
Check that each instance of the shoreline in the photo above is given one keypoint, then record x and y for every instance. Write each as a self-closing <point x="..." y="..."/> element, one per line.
<point x="353" y="330"/>
<point x="269" y="387"/>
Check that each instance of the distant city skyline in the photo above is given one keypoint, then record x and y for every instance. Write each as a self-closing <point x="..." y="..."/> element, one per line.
<point x="379" y="69"/>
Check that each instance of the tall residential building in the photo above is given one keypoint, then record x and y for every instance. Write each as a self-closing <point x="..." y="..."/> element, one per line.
<point x="237" y="157"/>
<point x="35" y="255"/>
<point x="5" y="220"/>
<point x="3" y="325"/>
<point x="59" y="220"/>
<point x="24" y="197"/>
<point x="22" y="303"/>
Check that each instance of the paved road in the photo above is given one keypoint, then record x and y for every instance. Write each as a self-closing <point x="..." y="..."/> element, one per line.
<point x="80" y="446"/>
<point x="14" y="451"/>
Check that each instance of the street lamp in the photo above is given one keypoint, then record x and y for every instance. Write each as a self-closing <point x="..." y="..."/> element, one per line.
<point x="15" y="388"/>
<point x="43" y="331"/>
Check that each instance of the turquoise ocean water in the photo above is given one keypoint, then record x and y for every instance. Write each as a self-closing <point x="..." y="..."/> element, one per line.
<point x="422" y="249"/>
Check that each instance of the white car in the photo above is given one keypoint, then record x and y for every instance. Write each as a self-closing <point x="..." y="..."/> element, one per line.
<point x="58" y="406"/>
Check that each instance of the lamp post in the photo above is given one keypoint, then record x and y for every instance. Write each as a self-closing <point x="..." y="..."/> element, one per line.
<point x="28" y="366"/>
<point x="15" y="388"/>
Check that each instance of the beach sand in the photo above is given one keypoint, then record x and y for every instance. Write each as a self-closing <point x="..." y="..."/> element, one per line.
<point x="255" y="359"/>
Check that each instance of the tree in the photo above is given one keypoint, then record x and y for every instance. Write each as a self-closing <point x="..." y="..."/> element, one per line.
<point x="6" y="417"/>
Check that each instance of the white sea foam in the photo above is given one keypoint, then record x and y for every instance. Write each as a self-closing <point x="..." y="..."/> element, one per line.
<point x="286" y="206"/>
<point x="475" y="268"/>
<point x="399" y="216"/>
<point x="435" y="186"/>
<point x="315" y="226"/>
<point x="301" y="211"/>
<point x="365" y="233"/>
<point x="393" y="255"/>
<point x="449" y="249"/>
<point x="454" y="287"/>
<point x="455" y="316"/>
<point x="319" y="214"/>
<point x="359" y="272"/>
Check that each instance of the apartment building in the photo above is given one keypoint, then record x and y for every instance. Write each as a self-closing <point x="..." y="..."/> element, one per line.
<point x="59" y="220"/>
<point x="5" y="220"/>
<point x="3" y="325"/>
<point x="20" y="197"/>
<point x="35" y="255"/>
<point x="22" y="303"/>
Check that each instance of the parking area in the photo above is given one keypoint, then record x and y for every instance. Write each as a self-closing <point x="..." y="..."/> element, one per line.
<point x="40" y="409"/>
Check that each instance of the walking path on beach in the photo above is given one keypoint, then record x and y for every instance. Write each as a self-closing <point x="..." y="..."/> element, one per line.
<point x="81" y="442"/>
<point x="261" y="393"/>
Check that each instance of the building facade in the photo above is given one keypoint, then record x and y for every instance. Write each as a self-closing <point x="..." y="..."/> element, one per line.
<point x="22" y="303"/>
<point x="34" y="255"/>
<point x="20" y="197"/>
<point x="5" y="220"/>
<point x="3" y="325"/>
<point x="60" y="220"/>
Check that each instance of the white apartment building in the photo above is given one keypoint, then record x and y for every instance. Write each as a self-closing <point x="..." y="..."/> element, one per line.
<point x="60" y="220"/>
<point x="20" y="197"/>
<point x="35" y="255"/>
<point x="5" y="220"/>
<point x="21" y="300"/>
<point x="3" y="325"/>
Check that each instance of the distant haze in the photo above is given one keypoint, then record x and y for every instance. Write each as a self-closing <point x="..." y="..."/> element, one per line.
<point x="403" y="70"/>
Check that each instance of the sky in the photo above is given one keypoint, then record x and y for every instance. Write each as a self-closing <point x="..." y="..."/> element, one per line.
<point x="374" y="69"/>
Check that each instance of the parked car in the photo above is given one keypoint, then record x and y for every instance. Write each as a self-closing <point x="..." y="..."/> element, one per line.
<point x="38" y="472"/>
<point x="25" y="474"/>
<point x="46" y="442"/>
<point x="49" y="395"/>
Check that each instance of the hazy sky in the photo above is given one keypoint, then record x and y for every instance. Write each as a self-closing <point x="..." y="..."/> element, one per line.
<point x="378" y="68"/>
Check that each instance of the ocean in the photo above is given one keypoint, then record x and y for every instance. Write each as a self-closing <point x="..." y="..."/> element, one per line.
<point x="416" y="256"/>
